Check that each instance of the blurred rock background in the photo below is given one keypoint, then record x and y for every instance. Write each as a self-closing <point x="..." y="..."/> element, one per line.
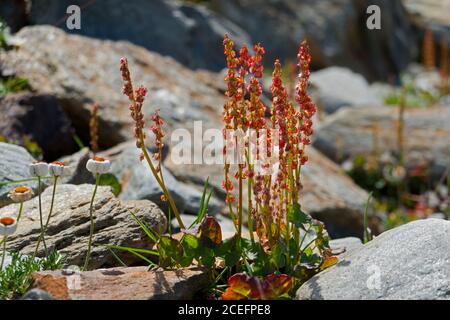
<point x="362" y="79"/>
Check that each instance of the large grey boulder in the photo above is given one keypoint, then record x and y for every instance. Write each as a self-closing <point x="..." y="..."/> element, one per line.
<point x="68" y="231"/>
<point x="191" y="34"/>
<point x="338" y="87"/>
<point x="336" y="30"/>
<point x="14" y="165"/>
<point x="409" y="262"/>
<point x="372" y="130"/>
<point x="81" y="71"/>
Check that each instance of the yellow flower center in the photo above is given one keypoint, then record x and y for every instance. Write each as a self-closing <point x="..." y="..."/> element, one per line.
<point x="21" y="189"/>
<point x="7" y="221"/>
<point x="59" y="163"/>
<point x="99" y="159"/>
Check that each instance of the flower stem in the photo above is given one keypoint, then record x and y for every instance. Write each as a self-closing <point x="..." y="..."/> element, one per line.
<point x="4" y="252"/>
<point x="249" y="210"/>
<point x="20" y="212"/>
<point x="249" y="195"/>
<point x="44" y="230"/>
<point x="91" y="217"/>
<point x="240" y="203"/>
<point x="41" y="220"/>
<point x="162" y="185"/>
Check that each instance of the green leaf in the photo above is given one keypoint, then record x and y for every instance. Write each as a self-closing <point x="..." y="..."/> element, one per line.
<point x="190" y="244"/>
<point x="278" y="255"/>
<point x="297" y="217"/>
<point x="109" y="179"/>
<point x="191" y="249"/>
<point x="230" y="250"/>
<point x="170" y="252"/>
<point x="203" y="209"/>
<point x="207" y="257"/>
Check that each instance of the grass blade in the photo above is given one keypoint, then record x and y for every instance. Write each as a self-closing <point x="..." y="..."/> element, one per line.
<point x="145" y="228"/>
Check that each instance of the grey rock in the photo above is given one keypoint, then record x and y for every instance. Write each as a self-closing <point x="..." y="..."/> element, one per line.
<point x="62" y="65"/>
<point x="412" y="261"/>
<point x="14" y="165"/>
<point x="336" y="30"/>
<point x="139" y="183"/>
<point x="345" y="245"/>
<point x="39" y="118"/>
<point x="366" y="130"/>
<point x="191" y="34"/>
<point x="338" y="87"/>
<point x="77" y="163"/>
<point x="68" y="231"/>
<point x="37" y="294"/>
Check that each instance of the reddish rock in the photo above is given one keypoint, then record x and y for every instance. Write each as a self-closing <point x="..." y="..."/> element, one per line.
<point x="136" y="283"/>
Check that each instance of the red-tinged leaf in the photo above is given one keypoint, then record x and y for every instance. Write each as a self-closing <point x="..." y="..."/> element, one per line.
<point x="239" y="287"/>
<point x="329" y="262"/>
<point x="277" y="285"/>
<point x="210" y="229"/>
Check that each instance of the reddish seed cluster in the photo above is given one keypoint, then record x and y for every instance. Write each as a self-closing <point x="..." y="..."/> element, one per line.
<point x="93" y="128"/>
<point x="232" y="82"/>
<point x="279" y="105"/>
<point x="257" y="109"/>
<point x="136" y="98"/>
<point x="156" y="128"/>
<point x="307" y="106"/>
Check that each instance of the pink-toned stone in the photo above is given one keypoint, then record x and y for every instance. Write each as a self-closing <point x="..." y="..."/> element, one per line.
<point x="133" y="283"/>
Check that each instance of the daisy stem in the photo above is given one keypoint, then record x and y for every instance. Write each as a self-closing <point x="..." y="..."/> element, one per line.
<point x="91" y="216"/>
<point x="20" y="212"/>
<point x="4" y="252"/>
<point x="44" y="230"/>
<point x="41" y="220"/>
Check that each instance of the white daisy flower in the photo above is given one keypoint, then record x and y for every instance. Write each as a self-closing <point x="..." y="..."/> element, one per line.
<point x="57" y="169"/>
<point x="98" y="165"/>
<point x="8" y="225"/>
<point x="21" y="194"/>
<point x="39" y="169"/>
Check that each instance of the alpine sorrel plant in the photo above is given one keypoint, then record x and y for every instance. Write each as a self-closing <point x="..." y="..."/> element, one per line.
<point x="137" y="98"/>
<point x="289" y="240"/>
<point x="285" y="246"/>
